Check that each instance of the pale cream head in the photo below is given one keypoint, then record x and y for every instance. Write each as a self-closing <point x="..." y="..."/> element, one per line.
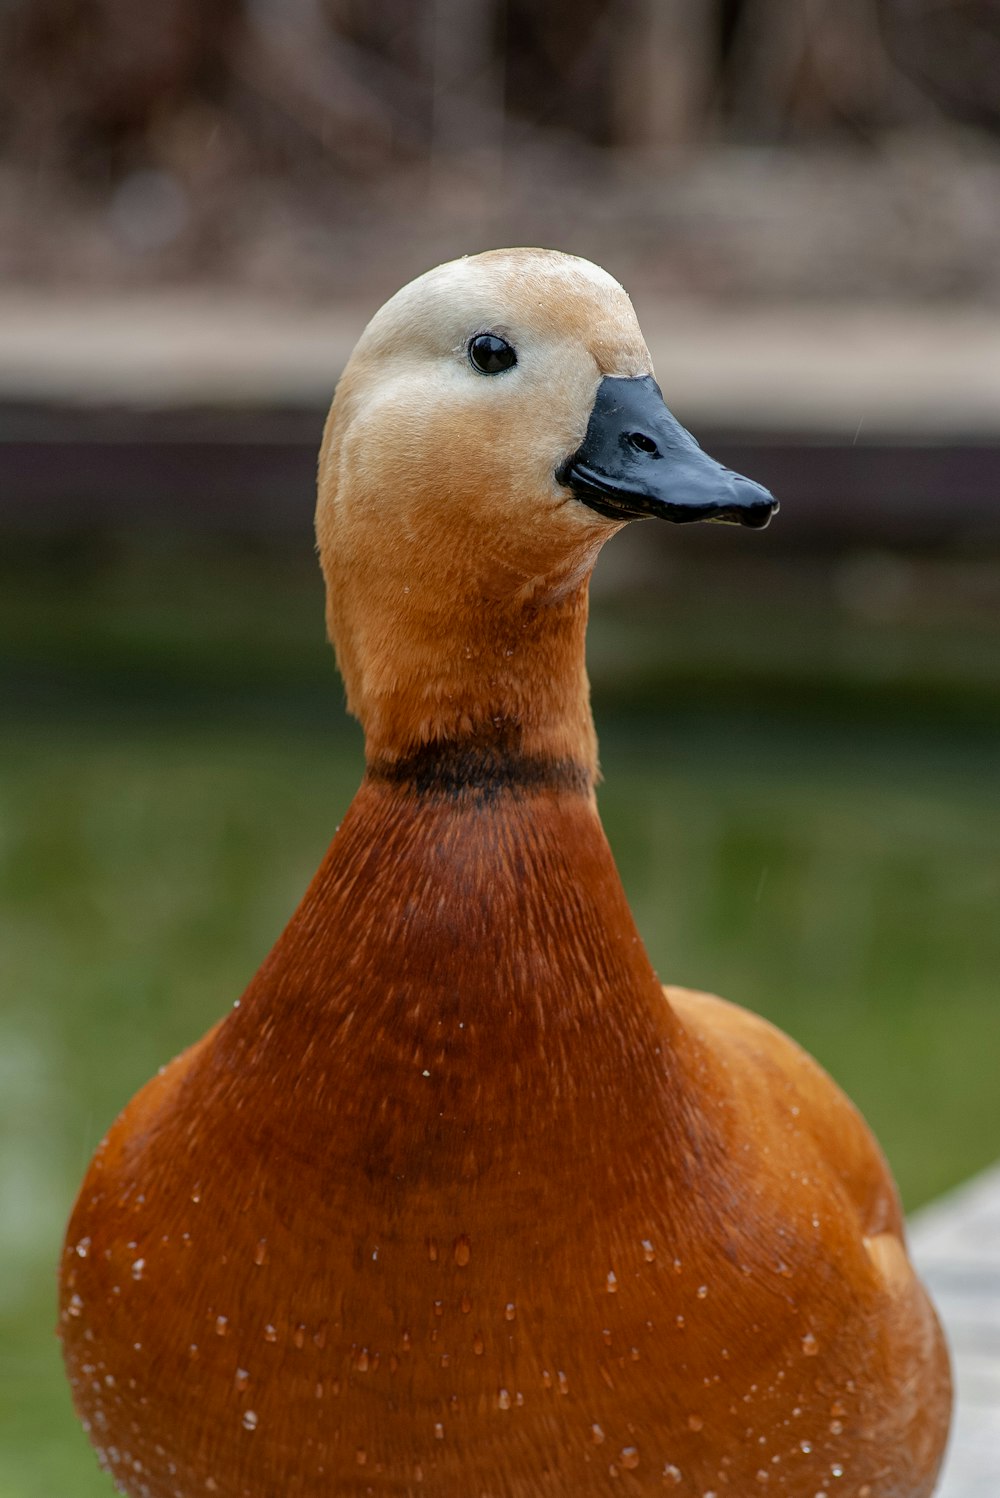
<point x="445" y="537"/>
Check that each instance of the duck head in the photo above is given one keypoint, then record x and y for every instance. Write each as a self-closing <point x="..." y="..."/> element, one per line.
<point x="497" y="422"/>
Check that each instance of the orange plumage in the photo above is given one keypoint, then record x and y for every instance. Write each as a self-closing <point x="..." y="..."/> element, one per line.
<point x="459" y="1200"/>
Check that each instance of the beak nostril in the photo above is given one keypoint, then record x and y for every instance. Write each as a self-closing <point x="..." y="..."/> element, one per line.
<point x="642" y="443"/>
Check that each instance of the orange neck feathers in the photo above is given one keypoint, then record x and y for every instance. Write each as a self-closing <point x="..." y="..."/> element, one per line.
<point x="509" y="699"/>
<point x="472" y="640"/>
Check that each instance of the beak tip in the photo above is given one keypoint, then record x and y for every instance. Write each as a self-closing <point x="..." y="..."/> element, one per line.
<point x="755" y="506"/>
<point x="759" y="516"/>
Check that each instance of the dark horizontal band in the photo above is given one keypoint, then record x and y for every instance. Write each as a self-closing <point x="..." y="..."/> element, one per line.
<point x="484" y="770"/>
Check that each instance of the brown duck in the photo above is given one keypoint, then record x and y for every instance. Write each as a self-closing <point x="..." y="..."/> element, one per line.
<point x="459" y="1201"/>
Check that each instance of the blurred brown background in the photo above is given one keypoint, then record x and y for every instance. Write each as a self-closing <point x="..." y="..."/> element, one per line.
<point x="319" y="147"/>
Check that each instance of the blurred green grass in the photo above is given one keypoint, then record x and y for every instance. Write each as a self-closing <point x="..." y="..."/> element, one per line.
<point x="801" y="797"/>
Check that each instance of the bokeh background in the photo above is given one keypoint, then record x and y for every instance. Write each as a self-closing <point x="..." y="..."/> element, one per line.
<point x="201" y="202"/>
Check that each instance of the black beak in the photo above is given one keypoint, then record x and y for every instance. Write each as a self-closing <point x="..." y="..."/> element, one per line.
<point x="636" y="460"/>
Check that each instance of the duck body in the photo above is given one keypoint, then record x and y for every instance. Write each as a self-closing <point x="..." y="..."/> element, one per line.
<point x="459" y="1200"/>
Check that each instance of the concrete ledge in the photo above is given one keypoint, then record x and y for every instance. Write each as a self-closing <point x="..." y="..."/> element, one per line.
<point x="838" y="371"/>
<point x="956" y="1246"/>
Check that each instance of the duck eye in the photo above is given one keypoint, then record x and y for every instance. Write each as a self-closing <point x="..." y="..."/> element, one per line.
<point x="490" y="354"/>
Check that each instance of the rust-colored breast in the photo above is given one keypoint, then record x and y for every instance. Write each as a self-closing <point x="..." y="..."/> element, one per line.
<point x="456" y="1203"/>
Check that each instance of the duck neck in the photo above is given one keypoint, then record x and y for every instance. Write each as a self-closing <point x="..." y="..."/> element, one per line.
<point x="479" y="693"/>
<point x="469" y="920"/>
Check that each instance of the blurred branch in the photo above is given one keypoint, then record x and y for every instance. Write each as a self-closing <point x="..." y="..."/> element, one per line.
<point x="664" y="62"/>
<point x="86" y="79"/>
<point x="810" y="63"/>
<point x="951" y="51"/>
<point x="466" y="79"/>
<point x="769" y="43"/>
<point x="292" y="58"/>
